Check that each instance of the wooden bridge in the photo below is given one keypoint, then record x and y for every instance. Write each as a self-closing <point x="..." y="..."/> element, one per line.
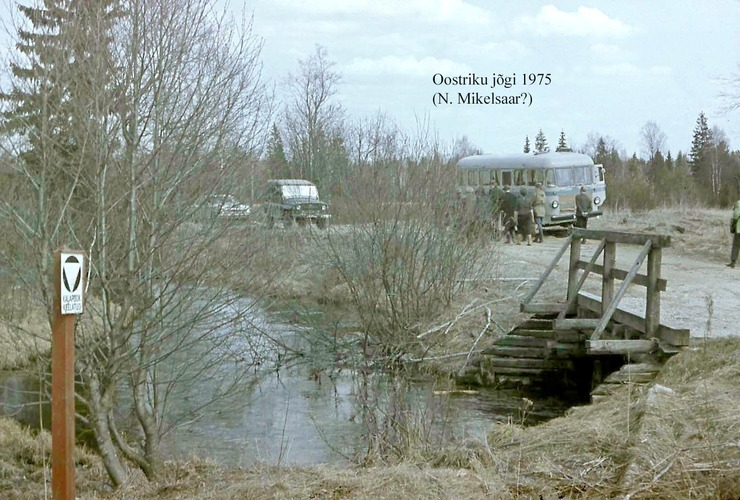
<point x="590" y="334"/>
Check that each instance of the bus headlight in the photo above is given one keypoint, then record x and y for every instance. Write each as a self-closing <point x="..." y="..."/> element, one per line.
<point x="555" y="204"/>
<point x="597" y="200"/>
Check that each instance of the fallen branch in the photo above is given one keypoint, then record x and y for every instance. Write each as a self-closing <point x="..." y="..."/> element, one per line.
<point x="472" y="348"/>
<point x="444" y="356"/>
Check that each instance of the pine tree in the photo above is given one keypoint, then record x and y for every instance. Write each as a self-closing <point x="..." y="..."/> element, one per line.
<point x="562" y="144"/>
<point x="699" y="145"/>
<point x="527" y="149"/>
<point x="276" y="161"/>
<point x="540" y="143"/>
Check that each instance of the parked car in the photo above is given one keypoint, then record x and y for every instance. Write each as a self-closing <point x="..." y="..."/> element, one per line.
<point x="227" y="206"/>
<point x="295" y="201"/>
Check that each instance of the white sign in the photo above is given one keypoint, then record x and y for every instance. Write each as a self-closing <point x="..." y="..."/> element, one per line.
<point x="72" y="283"/>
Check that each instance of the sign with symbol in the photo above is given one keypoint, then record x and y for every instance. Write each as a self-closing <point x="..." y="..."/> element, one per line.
<point x="72" y="283"/>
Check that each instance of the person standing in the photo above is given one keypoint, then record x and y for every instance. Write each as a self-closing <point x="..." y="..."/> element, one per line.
<point x="583" y="208"/>
<point x="538" y="206"/>
<point x="495" y="195"/>
<point x="735" y="230"/>
<point x="508" y="207"/>
<point x="524" y="216"/>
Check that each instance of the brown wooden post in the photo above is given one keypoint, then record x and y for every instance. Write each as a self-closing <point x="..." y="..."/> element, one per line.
<point x="652" y="305"/>
<point x="607" y="283"/>
<point x="575" y="256"/>
<point x="62" y="373"/>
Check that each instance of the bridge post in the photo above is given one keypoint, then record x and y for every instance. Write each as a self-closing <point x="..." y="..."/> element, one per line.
<point x="575" y="256"/>
<point x="607" y="283"/>
<point x="652" y="304"/>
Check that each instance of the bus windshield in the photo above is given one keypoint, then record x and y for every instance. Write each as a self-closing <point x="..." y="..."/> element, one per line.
<point x="565" y="177"/>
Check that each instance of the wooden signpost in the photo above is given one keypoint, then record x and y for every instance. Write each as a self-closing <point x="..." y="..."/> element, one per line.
<point x="69" y="280"/>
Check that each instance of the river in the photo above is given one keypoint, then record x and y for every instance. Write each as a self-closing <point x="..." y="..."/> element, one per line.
<point x="303" y="416"/>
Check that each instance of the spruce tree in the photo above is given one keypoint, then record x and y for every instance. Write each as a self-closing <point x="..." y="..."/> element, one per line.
<point x="562" y="144"/>
<point x="700" y="143"/>
<point x="540" y="143"/>
<point x="54" y="99"/>
<point x="276" y="161"/>
<point x="527" y="149"/>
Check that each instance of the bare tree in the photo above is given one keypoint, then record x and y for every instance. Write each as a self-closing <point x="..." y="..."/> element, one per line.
<point x="312" y="117"/>
<point x="653" y="140"/>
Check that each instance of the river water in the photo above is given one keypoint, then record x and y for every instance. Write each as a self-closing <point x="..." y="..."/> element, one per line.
<point x="302" y="416"/>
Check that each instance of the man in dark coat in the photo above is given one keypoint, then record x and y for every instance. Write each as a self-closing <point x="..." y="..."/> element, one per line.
<point x="583" y="208"/>
<point x="508" y="207"/>
<point x="524" y="216"/>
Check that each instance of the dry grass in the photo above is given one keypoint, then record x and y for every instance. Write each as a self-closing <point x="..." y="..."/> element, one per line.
<point x="25" y="467"/>
<point x="693" y="230"/>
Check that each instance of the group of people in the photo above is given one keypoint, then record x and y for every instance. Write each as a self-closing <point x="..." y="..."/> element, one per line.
<point x="520" y="214"/>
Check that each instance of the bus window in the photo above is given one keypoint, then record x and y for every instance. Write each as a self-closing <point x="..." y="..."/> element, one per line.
<point x="472" y="178"/>
<point x="461" y="178"/>
<point x="535" y="176"/>
<point x="496" y="176"/>
<point x="485" y="177"/>
<point x="506" y="178"/>
<point x="519" y="178"/>
<point x="588" y="173"/>
<point x="550" y="177"/>
<point x="578" y="175"/>
<point x="565" y="176"/>
<point x="600" y="173"/>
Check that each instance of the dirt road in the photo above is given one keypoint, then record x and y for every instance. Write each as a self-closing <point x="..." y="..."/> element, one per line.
<point x="702" y="295"/>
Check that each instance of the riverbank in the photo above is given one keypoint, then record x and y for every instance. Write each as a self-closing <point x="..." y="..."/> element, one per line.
<point x="677" y="438"/>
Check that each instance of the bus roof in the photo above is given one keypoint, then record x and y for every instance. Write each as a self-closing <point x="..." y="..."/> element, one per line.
<point x="525" y="160"/>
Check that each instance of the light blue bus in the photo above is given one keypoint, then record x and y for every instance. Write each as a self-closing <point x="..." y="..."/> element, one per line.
<point x="561" y="174"/>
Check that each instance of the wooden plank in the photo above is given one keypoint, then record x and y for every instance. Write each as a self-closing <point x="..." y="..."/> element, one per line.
<point x="520" y="341"/>
<point x="607" y="271"/>
<point x="565" y="347"/>
<point x="620" y="274"/>
<point x="675" y="336"/>
<point x="621" y="346"/>
<point x="575" y="256"/>
<point x="570" y="336"/>
<point x="669" y="348"/>
<point x="622" y="290"/>
<point x="576" y="323"/>
<point x="540" y="334"/>
<point x="542" y="307"/>
<point x="592" y="303"/>
<point x="516" y="352"/>
<point x="652" y="304"/>
<point x="656" y="240"/>
<point x="547" y="272"/>
<point x="535" y="323"/>
<point x="532" y="363"/>
<point x="517" y="371"/>
<point x="573" y="294"/>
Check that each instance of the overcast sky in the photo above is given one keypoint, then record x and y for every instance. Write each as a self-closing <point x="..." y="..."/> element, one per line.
<point x="613" y="65"/>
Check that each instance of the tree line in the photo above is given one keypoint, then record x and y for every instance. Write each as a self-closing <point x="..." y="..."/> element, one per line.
<point x="708" y="175"/>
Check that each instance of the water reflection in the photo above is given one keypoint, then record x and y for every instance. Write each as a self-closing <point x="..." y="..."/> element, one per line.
<point x="297" y="416"/>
